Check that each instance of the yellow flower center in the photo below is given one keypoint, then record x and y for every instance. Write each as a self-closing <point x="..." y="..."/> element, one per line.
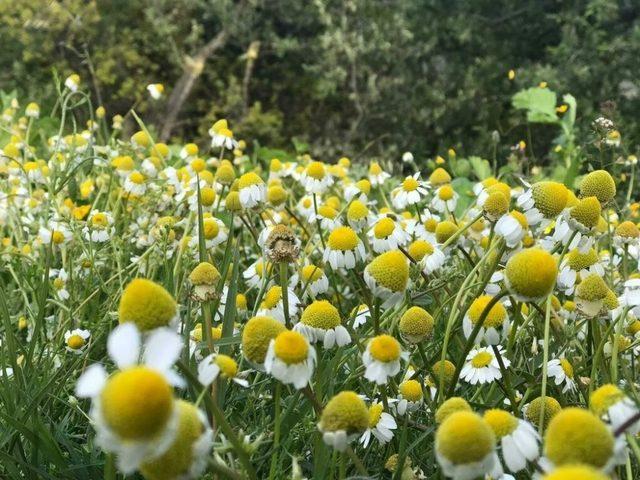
<point x="411" y="390"/>
<point x="99" y="220"/>
<point x="57" y="237"/>
<point x="75" y="342"/>
<point x="357" y="210"/>
<point x="343" y="238"/>
<point x="599" y="184"/>
<point x="451" y="405"/>
<point x="579" y="261"/>
<point x="439" y="177"/>
<point x="567" y="368"/>
<point x="551" y="408"/>
<point x="384" y="348"/>
<point x="410" y="184"/>
<point x="257" y="335"/>
<point x="384" y="228"/>
<point x="137" y="403"/>
<point x="501" y="422"/>
<point x="464" y="437"/>
<point x="207" y="196"/>
<point x="137" y="178"/>
<point x="496" y="316"/>
<point x="420" y="249"/>
<point x="445" y="192"/>
<point x="147" y="304"/>
<point x="604" y="398"/>
<point x="272" y="297"/>
<point x="481" y="359"/>
<point x="211" y="228"/>
<point x="316" y="170"/>
<point x="311" y="273"/>
<point x="390" y="270"/>
<point x="520" y="268"/>
<point x="375" y="169"/>
<point x="575" y="472"/>
<point x="445" y="230"/>
<point x="249" y="179"/>
<point x="592" y="288"/>
<point x="345" y="411"/>
<point x="291" y="347"/>
<point x="375" y="413"/>
<point x="550" y="197"/>
<point x="321" y="314"/>
<point x="587" y="212"/>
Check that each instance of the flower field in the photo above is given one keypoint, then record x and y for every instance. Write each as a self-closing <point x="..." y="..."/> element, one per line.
<point x="222" y="310"/>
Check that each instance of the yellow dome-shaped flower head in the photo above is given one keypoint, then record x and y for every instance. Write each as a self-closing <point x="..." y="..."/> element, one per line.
<point x="575" y="436"/>
<point x="416" y="325"/>
<point x="257" y="334"/>
<point x="464" y="438"/>
<point x="389" y="270"/>
<point x="346" y="412"/>
<point x="551" y="408"/>
<point x="550" y="198"/>
<point x="137" y="403"/>
<point x="628" y="231"/>
<point x="576" y="472"/>
<point x="146" y="304"/>
<point x="445" y="230"/>
<point x="599" y="184"/>
<point x="225" y="174"/>
<point x="418" y="249"/>
<point x="586" y="212"/>
<point x="439" y="177"/>
<point x="444" y="370"/>
<point x="591" y="293"/>
<point x="204" y="278"/>
<point x="604" y="398"/>
<point x="501" y="422"/>
<point x="450" y="406"/>
<point x="411" y="390"/>
<point x="232" y="202"/>
<point x="321" y="314"/>
<point x="531" y="274"/>
<point x="186" y="457"/>
<point x="495" y="205"/>
<point x="496" y="316"/>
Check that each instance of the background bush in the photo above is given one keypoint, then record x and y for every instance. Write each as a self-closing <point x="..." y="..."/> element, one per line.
<point x="353" y="77"/>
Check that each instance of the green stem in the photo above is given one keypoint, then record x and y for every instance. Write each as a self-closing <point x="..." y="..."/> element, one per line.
<point x="545" y="359"/>
<point x="276" y="431"/>
<point x="285" y="293"/>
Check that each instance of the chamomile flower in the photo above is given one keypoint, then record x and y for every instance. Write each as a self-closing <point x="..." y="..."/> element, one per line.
<point x="576" y="225"/>
<point x="627" y="233"/>
<point x="204" y="278"/>
<point x="430" y="258"/>
<point x="360" y="189"/>
<point x="465" y="446"/>
<point x="32" y="110"/>
<point x="320" y="322"/>
<point x="99" y="227"/>
<point x="135" y="184"/>
<point x="410" y="192"/>
<point x="495" y="326"/>
<point x="55" y="233"/>
<point x="344" y="418"/>
<point x="344" y="249"/>
<point x="358" y="215"/>
<point x="186" y="457"/>
<point x="252" y="190"/>
<point x="290" y="359"/>
<point x="445" y="199"/>
<point x="613" y="406"/>
<point x="328" y="216"/>
<point x="382" y="358"/>
<point x="561" y="370"/>
<point x="387" y="276"/>
<point x="575" y="265"/>
<point x="575" y="472"/>
<point x="377" y="176"/>
<point x="312" y="280"/>
<point x="591" y="294"/>
<point x="222" y="136"/>
<point x="72" y="82"/>
<point x="439" y="177"/>
<point x="599" y="184"/>
<point x="148" y="305"/>
<point x="577" y="436"/>
<point x="416" y="325"/>
<point x="548" y="408"/>
<point x="76" y="340"/>
<point x="361" y="314"/>
<point x="273" y="305"/>
<point x="214" y="231"/>
<point x="524" y="286"/>
<point x="512" y="227"/>
<point x="450" y="406"/>
<point x="543" y="201"/>
<point x="60" y="278"/>
<point x="315" y="178"/>
<point x="482" y="366"/>
<point x="256" y="337"/>
<point x="387" y="234"/>
<point x="190" y="150"/>
<point x="381" y="426"/>
<point x="518" y="439"/>
<point x="410" y="397"/>
<point x="136" y="431"/>
<point x="217" y="365"/>
<point x="155" y="90"/>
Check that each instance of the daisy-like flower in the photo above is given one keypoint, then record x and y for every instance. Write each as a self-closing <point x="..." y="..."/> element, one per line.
<point x="382" y="358"/>
<point x="496" y="323"/>
<point x="312" y="280"/>
<point x="482" y="366"/>
<point x="343" y="249"/>
<point x="320" y="322"/>
<point x="416" y="325"/>
<point x="512" y="227"/>
<point x="360" y="314"/>
<point x="272" y="304"/>
<point x="410" y="397"/>
<point x="217" y="365"/>
<point x="377" y="176"/>
<point x="252" y="190"/>
<point x="72" y="82"/>
<point x="576" y="225"/>
<point x="256" y="337"/>
<point x="55" y="233"/>
<point x="148" y="305"/>
<point x="99" y="227"/>
<point x="344" y="418"/>
<point x="256" y="272"/>
<point x="410" y="192"/>
<point x="135" y="184"/>
<point x="186" y="458"/>
<point x="523" y="285"/>
<point x="315" y="178"/>
<point x="577" y="263"/>
<point x="290" y="359"/>
<point x="518" y="439"/>
<point x="361" y="189"/>
<point x="222" y="136"/>
<point x="76" y="340"/>
<point x="215" y="233"/>
<point x="204" y="278"/>
<point x="439" y="177"/>
<point x="445" y="199"/>
<point x="577" y="436"/>
<point x="155" y="90"/>
<point x="32" y="110"/>
<point x="465" y="446"/>
<point x="612" y="405"/>
<point x="381" y="426"/>
<point x="571" y="472"/>
<point x="495" y="205"/>
<point x="561" y="370"/>
<point x="135" y="431"/>
<point x="599" y="184"/>
<point x="190" y="150"/>
<point x="430" y="258"/>
<point x="305" y="207"/>
<point x="388" y="276"/>
<point x="627" y="233"/>
<point x="328" y="216"/>
<point x="358" y="215"/>
<point x="543" y="201"/>
<point x="591" y="295"/>
<point x="387" y="234"/>
<point x="60" y="278"/>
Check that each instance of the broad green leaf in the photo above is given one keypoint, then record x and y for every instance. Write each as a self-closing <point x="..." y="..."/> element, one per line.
<point x="481" y="167"/>
<point x="540" y="104"/>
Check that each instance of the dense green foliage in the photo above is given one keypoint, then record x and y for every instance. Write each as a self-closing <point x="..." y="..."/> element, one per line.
<point x="355" y="77"/>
